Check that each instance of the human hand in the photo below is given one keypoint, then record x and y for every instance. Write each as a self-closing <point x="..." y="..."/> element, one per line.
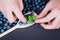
<point x="53" y="18"/>
<point x="12" y="9"/>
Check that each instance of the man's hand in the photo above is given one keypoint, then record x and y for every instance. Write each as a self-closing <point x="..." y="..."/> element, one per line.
<point x="12" y="10"/>
<point x="54" y="7"/>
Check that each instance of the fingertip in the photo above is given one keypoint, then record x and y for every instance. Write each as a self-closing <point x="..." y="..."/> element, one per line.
<point x="40" y="21"/>
<point x="23" y="19"/>
<point x="44" y="26"/>
<point x="36" y="21"/>
<point x="10" y="21"/>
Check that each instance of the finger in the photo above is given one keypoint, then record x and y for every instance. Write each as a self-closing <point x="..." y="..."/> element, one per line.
<point x="49" y="17"/>
<point x="19" y="14"/>
<point x="58" y="26"/>
<point x="45" y="10"/>
<point x="20" y="4"/>
<point x="47" y="26"/>
<point x="53" y="25"/>
<point x="2" y="9"/>
<point x="9" y="16"/>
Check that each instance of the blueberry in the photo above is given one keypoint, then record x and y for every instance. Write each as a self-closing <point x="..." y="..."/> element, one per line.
<point x="25" y="0"/>
<point x="5" y="24"/>
<point x="2" y="30"/>
<point x="8" y="27"/>
<point x="0" y="22"/>
<point x="4" y="27"/>
<point x="39" y="0"/>
<point x="36" y="3"/>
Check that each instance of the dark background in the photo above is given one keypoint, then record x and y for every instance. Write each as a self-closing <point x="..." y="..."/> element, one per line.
<point x="34" y="32"/>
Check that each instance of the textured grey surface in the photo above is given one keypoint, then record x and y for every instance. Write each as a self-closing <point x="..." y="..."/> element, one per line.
<point x="35" y="32"/>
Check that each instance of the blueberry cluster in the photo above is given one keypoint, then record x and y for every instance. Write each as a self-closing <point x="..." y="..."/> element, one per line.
<point x="34" y="5"/>
<point x="4" y="24"/>
<point x="29" y="5"/>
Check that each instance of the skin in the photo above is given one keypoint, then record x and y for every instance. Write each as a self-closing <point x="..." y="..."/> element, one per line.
<point x="54" y="7"/>
<point x="9" y="6"/>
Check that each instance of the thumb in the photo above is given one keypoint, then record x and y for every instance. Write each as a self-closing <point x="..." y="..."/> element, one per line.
<point x="45" y="10"/>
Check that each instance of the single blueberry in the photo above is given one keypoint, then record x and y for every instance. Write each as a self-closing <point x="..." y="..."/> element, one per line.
<point x="36" y="3"/>
<point x="0" y="22"/>
<point x="37" y="6"/>
<point x="5" y="24"/>
<point x="2" y="30"/>
<point x="4" y="27"/>
<point x="39" y="0"/>
<point x="8" y="27"/>
<point x="25" y="0"/>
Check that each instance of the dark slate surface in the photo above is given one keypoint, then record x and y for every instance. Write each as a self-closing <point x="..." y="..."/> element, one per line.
<point x="35" y="32"/>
